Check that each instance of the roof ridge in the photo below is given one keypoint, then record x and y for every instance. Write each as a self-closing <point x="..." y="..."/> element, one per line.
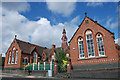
<point x="30" y="43"/>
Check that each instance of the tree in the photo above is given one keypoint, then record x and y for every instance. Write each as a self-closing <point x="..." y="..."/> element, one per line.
<point x="62" y="61"/>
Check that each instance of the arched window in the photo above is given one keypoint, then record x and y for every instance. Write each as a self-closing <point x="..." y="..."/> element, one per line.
<point x="90" y="44"/>
<point x="16" y="57"/>
<point x="9" y="57"/>
<point x="13" y="55"/>
<point x="81" y="48"/>
<point x="34" y="57"/>
<point x="100" y="45"/>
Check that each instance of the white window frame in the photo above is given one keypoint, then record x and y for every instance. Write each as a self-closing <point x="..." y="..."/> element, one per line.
<point x="89" y="32"/>
<point x="83" y="53"/>
<point x="102" y="44"/>
<point x="34" y="57"/>
<point x="13" y="54"/>
<point x="9" y="57"/>
<point x="16" y="57"/>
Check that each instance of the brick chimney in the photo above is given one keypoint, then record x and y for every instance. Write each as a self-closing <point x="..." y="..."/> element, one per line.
<point x="53" y="46"/>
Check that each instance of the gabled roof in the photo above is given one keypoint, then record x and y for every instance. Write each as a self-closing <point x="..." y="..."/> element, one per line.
<point x="94" y="22"/>
<point x="27" y="47"/>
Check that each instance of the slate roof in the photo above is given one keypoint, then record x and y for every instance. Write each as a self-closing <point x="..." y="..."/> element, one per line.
<point x="27" y="47"/>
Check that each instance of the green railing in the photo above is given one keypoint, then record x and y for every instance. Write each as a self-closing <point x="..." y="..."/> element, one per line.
<point x="40" y="67"/>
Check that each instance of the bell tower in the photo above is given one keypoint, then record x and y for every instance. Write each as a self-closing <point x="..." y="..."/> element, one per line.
<point x="64" y="39"/>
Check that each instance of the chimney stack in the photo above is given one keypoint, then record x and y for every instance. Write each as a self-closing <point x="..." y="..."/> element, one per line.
<point x="53" y="46"/>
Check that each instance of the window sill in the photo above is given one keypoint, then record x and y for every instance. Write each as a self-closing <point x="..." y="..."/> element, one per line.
<point x="11" y="64"/>
<point x="96" y="57"/>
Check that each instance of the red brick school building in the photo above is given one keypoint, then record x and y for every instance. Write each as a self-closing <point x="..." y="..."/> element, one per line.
<point x="91" y="51"/>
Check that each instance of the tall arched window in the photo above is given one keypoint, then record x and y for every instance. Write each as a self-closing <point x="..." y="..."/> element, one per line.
<point x="9" y="57"/>
<point x="100" y="45"/>
<point x="90" y="44"/>
<point x="16" y="57"/>
<point x="34" y="57"/>
<point x="81" y="48"/>
<point x="13" y="55"/>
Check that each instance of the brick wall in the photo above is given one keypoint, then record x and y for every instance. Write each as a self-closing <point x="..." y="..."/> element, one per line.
<point x="6" y="65"/>
<point x="111" y="55"/>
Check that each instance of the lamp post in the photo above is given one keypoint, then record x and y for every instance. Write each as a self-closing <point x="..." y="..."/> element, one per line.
<point x="53" y="58"/>
<point x="67" y="56"/>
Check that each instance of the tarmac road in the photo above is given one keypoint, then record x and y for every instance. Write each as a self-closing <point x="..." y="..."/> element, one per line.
<point x="18" y="78"/>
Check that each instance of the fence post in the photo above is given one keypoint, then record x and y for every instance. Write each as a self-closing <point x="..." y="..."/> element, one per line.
<point x="51" y="65"/>
<point x="69" y="66"/>
<point x="38" y="65"/>
<point x="55" y="67"/>
<point x="44" y="65"/>
<point x="33" y="66"/>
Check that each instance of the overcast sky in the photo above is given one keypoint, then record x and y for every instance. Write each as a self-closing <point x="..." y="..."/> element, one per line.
<point x="42" y="23"/>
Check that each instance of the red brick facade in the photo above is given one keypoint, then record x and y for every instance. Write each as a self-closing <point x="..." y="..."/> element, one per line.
<point x="18" y="65"/>
<point x="111" y="55"/>
<point x="22" y="53"/>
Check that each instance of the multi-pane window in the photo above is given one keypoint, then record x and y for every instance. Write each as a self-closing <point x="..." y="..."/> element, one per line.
<point x="13" y="55"/>
<point x="35" y="57"/>
<point x="100" y="45"/>
<point x="90" y="45"/>
<point x="81" y="48"/>
<point x="9" y="58"/>
<point x="16" y="57"/>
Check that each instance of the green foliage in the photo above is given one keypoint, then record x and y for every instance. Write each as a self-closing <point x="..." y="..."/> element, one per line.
<point x="26" y="67"/>
<point x="60" y="56"/>
<point x="62" y="61"/>
<point x="41" y="62"/>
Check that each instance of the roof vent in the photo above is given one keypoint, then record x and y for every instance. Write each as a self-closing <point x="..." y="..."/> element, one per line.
<point x="86" y="21"/>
